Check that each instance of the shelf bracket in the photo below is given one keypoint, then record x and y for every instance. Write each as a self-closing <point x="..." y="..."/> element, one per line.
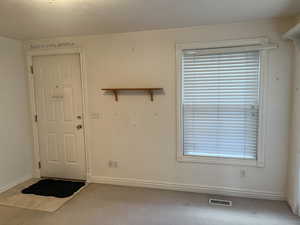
<point x="116" y="95"/>
<point x="151" y="95"/>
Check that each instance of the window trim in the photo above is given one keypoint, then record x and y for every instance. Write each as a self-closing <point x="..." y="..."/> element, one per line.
<point x="263" y="120"/>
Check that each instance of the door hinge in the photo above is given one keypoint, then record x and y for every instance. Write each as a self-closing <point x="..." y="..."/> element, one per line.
<point x="31" y="69"/>
<point x="35" y="118"/>
<point x="39" y="165"/>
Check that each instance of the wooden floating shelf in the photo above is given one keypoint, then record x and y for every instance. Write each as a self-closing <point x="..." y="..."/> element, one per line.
<point x="116" y="91"/>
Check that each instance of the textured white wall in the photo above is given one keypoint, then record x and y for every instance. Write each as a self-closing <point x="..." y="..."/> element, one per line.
<point x="141" y="135"/>
<point x="15" y="132"/>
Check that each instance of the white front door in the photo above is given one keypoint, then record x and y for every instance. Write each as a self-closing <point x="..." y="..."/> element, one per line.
<point x="58" y="95"/>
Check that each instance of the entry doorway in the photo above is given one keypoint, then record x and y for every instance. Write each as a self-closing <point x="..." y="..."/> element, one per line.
<point x="59" y="108"/>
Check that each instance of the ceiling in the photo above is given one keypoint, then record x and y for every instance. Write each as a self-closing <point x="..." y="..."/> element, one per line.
<point x="33" y="19"/>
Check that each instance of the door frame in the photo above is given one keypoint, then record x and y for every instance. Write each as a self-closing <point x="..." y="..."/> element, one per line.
<point x="32" y="101"/>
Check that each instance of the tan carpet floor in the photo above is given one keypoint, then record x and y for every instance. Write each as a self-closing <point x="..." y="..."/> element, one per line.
<point x="112" y="205"/>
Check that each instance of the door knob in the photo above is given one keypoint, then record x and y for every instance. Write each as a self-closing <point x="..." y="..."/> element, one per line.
<point x="79" y="127"/>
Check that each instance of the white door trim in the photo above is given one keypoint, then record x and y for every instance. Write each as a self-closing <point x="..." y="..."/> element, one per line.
<point x="36" y="150"/>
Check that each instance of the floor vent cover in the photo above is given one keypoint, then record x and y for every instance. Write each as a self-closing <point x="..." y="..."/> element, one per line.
<point x="220" y="202"/>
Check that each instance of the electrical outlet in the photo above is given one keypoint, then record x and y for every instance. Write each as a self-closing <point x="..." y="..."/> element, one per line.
<point x="242" y="173"/>
<point x="112" y="164"/>
<point x="115" y="164"/>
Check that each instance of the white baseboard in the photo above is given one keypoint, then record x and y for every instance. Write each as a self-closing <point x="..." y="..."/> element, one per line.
<point x="14" y="183"/>
<point x="227" y="191"/>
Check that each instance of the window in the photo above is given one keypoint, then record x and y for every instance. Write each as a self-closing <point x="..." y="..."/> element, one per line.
<point x="220" y="103"/>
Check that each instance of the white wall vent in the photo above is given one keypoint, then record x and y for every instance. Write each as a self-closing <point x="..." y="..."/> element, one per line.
<point x="220" y="202"/>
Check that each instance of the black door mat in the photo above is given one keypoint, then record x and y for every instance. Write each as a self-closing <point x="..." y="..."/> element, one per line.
<point x="55" y="188"/>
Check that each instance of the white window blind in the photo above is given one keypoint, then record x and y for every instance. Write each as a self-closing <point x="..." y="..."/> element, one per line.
<point x="220" y="103"/>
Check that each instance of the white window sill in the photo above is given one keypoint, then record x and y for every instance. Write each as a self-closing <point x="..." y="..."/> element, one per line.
<point x="219" y="160"/>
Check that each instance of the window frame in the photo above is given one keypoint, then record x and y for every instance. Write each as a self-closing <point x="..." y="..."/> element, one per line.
<point x="263" y="88"/>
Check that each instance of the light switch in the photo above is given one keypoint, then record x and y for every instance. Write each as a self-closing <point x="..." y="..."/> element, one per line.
<point x="95" y="116"/>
